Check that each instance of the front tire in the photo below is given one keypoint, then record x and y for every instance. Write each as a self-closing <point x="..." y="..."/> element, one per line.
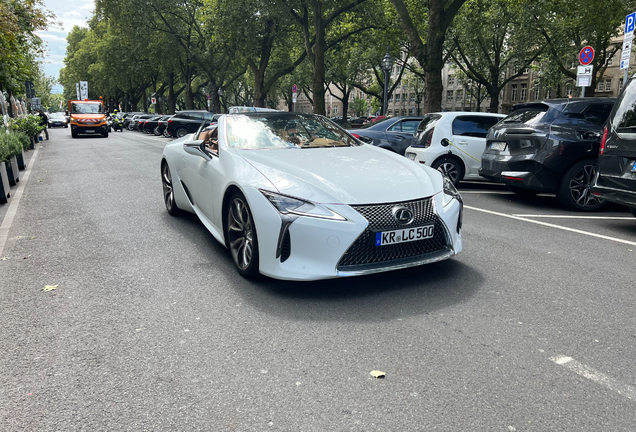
<point x="451" y="168"/>
<point x="73" y="134"/>
<point x="575" y="189"/>
<point x="105" y="135"/>
<point x="240" y="234"/>
<point x="168" y="190"/>
<point x="156" y="131"/>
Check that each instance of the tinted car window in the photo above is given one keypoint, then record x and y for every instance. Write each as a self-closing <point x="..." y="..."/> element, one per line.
<point x="624" y="119"/>
<point x="597" y="113"/>
<point x="529" y="115"/>
<point x="471" y="126"/>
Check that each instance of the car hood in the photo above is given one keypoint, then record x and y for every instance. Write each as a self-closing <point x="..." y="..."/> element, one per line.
<point x="351" y="175"/>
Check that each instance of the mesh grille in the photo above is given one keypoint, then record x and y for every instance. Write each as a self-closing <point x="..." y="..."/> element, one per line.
<point x="364" y="254"/>
<point x="285" y="249"/>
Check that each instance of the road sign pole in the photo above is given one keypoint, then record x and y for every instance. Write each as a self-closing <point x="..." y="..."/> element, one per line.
<point x="582" y="92"/>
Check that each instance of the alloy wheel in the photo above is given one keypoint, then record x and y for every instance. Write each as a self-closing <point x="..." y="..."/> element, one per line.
<point x="241" y="234"/>
<point x="581" y="187"/>
<point x="449" y="170"/>
<point x="168" y="193"/>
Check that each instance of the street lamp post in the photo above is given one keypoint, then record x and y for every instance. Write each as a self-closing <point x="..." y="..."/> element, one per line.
<point x="387" y="65"/>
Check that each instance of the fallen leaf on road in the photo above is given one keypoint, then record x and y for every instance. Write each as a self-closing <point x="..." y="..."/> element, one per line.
<point x="32" y="238"/>
<point x="49" y="288"/>
<point x="28" y="256"/>
<point x="5" y="258"/>
<point x="378" y="374"/>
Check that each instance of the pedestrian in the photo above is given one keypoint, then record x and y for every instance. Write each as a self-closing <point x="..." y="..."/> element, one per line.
<point x="44" y="121"/>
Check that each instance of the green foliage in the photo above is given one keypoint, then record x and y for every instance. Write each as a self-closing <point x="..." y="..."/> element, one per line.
<point x="360" y="106"/>
<point x="10" y="145"/>
<point x="20" y="45"/>
<point x="27" y="124"/>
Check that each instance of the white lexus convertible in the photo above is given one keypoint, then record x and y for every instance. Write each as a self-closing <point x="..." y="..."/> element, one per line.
<point x="293" y="196"/>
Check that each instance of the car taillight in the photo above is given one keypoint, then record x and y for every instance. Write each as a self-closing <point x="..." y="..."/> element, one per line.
<point x="356" y="135"/>
<point x="601" y="149"/>
<point x="170" y="121"/>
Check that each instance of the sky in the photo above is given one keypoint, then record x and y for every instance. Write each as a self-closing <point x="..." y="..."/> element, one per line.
<point x="69" y="13"/>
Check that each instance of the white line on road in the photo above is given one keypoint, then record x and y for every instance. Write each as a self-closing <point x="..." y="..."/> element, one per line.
<point x="553" y="226"/>
<point x="574" y="217"/>
<point x="13" y="207"/>
<point x="600" y="378"/>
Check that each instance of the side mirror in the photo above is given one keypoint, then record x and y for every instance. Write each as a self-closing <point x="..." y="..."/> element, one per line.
<point x="445" y="142"/>
<point x="195" y="148"/>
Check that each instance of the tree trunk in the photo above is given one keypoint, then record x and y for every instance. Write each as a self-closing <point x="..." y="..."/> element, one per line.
<point x="189" y="100"/>
<point x="259" y="86"/>
<point x="345" y="106"/>
<point x="434" y="58"/>
<point x="318" y="87"/>
<point x="494" y="101"/>
<point x="171" y="98"/>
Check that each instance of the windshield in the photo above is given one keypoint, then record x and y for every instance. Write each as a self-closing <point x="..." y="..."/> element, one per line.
<point x="284" y="131"/>
<point x="87" y="108"/>
<point x="57" y="115"/>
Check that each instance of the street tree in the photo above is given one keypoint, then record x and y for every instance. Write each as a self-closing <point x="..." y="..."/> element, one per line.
<point x="491" y="45"/>
<point x="566" y="29"/>
<point x="433" y="18"/>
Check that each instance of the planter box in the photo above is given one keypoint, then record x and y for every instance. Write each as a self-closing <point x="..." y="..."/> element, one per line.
<point x="32" y="146"/>
<point x="5" y="192"/>
<point x="12" y="171"/>
<point x="21" y="164"/>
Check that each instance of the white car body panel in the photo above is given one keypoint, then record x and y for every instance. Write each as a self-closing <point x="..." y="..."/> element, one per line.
<point x="333" y="177"/>
<point x="469" y="149"/>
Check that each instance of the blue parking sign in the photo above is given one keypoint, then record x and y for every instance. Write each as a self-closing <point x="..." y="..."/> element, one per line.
<point x="629" y="22"/>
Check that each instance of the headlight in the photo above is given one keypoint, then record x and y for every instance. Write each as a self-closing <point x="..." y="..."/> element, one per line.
<point x="288" y="205"/>
<point x="450" y="192"/>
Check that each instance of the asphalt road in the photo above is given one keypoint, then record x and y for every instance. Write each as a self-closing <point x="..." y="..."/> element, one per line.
<point x="150" y="328"/>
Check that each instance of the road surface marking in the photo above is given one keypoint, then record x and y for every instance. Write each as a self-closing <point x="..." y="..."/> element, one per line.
<point x="598" y="377"/>
<point x="574" y="217"/>
<point x="553" y="226"/>
<point x="15" y="201"/>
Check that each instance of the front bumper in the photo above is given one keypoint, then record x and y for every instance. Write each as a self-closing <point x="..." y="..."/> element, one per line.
<point x="317" y="246"/>
<point x="90" y="130"/>
<point x="518" y="170"/>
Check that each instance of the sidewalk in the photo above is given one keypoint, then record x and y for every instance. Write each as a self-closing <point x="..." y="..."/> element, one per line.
<point x="28" y="154"/>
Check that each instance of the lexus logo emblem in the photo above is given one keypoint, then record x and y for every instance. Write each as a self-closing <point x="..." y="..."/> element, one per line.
<point x="403" y="215"/>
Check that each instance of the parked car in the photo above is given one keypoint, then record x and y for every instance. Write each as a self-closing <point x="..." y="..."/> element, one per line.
<point x="139" y="121"/>
<point x="616" y="175"/>
<point x="57" y="119"/>
<point x="549" y="146"/>
<point x="128" y="117"/>
<point x="391" y="133"/>
<point x="151" y="123"/>
<point x="162" y="124"/>
<point x="315" y="204"/>
<point x="187" y="122"/>
<point x="453" y="142"/>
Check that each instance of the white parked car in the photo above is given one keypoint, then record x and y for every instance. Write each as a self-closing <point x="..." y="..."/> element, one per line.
<point x="293" y="196"/>
<point x="453" y="142"/>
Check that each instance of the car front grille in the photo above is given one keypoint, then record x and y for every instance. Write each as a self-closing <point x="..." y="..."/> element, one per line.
<point x="364" y="255"/>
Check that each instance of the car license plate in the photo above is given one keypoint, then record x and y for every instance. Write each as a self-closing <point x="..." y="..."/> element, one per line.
<point x="634" y="166"/>
<point x="411" y="156"/>
<point x="89" y="131"/>
<point x="499" y="146"/>
<point x="404" y="235"/>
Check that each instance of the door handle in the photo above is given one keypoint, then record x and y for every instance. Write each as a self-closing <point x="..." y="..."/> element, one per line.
<point x="463" y="142"/>
<point x="399" y="137"/>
